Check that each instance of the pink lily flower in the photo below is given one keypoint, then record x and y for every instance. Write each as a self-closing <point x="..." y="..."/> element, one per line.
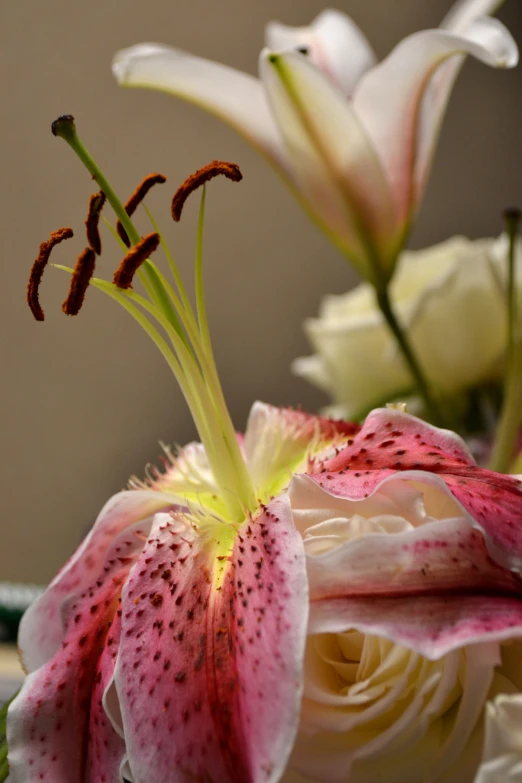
<point x="353" y="138"/>
<point x="170" y="646"/>
<point x="155" y="658"/>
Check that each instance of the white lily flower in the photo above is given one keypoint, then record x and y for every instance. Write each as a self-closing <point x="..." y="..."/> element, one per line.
<point x="354" y="138"/>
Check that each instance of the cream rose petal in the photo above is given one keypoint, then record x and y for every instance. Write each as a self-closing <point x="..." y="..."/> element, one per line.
<point x="502" y="758"/>
<point x="355" y="362"/>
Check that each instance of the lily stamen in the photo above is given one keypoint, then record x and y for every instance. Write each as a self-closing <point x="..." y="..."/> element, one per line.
<point x="96" y="202"/>
<point x="135" y="200"/>
<point x="38" y="267"/>
<point x="200" y="177"/>
<point x="178" y="330"/>
<point x="136" y="256"/>
<point x="81" y="277"/>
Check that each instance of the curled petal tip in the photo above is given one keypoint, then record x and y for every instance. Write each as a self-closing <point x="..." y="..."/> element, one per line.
<point x="125" y="58"/>
<point x="500" y="48"/>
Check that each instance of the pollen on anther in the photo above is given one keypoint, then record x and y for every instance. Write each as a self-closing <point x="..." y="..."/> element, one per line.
<point x="38" y="267"/>
<point x="134" y="259"/>
<point x="135" y="200"/>
<point x="83" y="271"/>
<point x="200" y="177"/>
<point x="96" y="202"/>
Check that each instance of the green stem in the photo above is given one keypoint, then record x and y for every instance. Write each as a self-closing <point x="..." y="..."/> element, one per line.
<point x="512" y="218"/>
<point x="511" y="414"/>
<point x="385" y="305"/>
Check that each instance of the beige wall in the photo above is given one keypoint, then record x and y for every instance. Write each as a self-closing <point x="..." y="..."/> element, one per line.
<point x="85" y="401"/>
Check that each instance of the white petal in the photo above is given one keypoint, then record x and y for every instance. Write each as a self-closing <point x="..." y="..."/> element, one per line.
<point x="389" y="98"/>
<point x="462" y="300"/>
<point x="502" y="760"/>
<point x="464" y="12"/>
<point x="335" y="45"/>
<point x="233" y="96"/>
<point x="334" y="164"/>
<point x="279" y="441"/>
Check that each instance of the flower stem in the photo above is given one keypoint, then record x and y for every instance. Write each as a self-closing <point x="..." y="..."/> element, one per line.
<point x="509" y="423"/>
<point x="511" y="414"/>
<point x="385" y="305"/>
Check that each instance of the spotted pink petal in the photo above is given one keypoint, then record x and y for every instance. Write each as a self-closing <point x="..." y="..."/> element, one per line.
<point x="48" y="723"/>
<point x="432" y="588"/>
<point x="431" y="624"/>
<point x="392" y="441"/>
<point x="106" y="746"/>
<point x="209" y="669"/>
<point x="41" y="629"/>
<point x="438" y="556"/>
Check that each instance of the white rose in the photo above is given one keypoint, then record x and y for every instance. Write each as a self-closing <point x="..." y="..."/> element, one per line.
<point x="377" y="709"/>
<point x="450" y="298"/>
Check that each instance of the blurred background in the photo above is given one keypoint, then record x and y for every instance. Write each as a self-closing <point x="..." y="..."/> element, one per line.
<point x="86" y="400"/>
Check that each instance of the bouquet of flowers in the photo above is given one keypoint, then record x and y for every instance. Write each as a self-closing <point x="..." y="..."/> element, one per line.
<point x="330" y="598"/>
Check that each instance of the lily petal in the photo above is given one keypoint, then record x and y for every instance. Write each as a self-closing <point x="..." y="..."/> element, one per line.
<point x="41" y="629"/>
<point x="107" y="751"/>
<point x="464" y="12"/>
<point x="335" y="45"/>
<point x="389" y="98"/>
<point x="392" y="441"/>
<point x="280" y="441"/>
<point x="432" y="625"/>
<point x="233" y="96"/>
<point x="334" y="164"/>
<point x="441" y="556"/>
<point x="48" y="721"/>
<point x="213" y="674"/>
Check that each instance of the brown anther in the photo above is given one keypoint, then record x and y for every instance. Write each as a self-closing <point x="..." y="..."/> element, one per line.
<point x="96" y="202"/>
<point x="135" y="200"/>
<point x="134" y="259"/>
<point x="83" y="271"/>
<point x="229" y="170"/>
<point x="38" y="268"/>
